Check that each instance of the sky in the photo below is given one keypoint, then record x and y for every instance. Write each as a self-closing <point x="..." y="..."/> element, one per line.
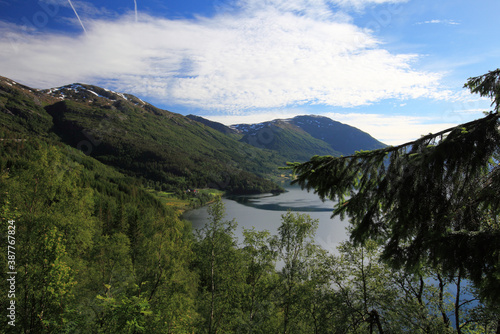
<point x="393" y="68"/>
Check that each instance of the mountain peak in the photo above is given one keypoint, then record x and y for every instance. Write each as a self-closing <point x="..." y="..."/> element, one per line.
<point x="340" y="137"/>
<point x="89" y="93"/>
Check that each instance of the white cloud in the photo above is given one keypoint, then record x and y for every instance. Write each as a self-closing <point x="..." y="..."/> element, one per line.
<point x="269" y="57"/>
<point x="255" y="117"/>
<point x="448" y="22"/>
<point x="393" y="129"/>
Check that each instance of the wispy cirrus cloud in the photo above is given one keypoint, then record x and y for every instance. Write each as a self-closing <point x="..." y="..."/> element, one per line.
<point x="311" y="6"/>
<point x="447" y="22"/>
<point x="282" y="54"/>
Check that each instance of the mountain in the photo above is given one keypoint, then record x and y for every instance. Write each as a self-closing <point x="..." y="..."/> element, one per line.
<point x="341" y="137"/>
<point x="120" y="130"/>
<point x="22" y="109"/>
<point x="285" y="138"/>
<point x="165" y="149"/>
<point x="214" y="125"/>
<point x="301" y="137"/>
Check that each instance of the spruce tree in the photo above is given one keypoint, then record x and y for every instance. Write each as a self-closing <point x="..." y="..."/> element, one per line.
<point x="432" y="201"/>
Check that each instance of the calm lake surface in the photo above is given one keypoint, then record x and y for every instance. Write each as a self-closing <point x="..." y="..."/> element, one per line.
<point x="263" y="212"/>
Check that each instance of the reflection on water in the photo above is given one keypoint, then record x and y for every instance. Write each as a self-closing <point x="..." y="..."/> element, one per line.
<point x="293" y="199"/>
<point x="263" y="212"/>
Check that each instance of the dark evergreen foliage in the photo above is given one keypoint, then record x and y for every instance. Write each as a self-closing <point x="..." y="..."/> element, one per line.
<point x="434" y="200"/>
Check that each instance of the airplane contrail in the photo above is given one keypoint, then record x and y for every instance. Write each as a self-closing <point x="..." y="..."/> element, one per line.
<point x="135" y="8"/>
<point x="78" y="17"/>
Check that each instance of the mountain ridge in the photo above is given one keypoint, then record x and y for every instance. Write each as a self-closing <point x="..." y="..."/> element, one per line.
<point x="163" y="147"/>
<point x="120" y="130"/>
<point x="306" y="132"/>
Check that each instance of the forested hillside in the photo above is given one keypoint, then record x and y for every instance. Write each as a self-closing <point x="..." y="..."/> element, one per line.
<point x="93" y="251"/>
<point x="285" y="138"/>
<point x="341" y="137"/>
<point x="164" y="149"/>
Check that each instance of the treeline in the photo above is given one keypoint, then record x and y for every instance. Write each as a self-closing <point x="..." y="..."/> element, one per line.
<point x="97" y="253"/>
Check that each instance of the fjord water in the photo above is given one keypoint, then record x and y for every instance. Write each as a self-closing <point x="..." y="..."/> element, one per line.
<point x="263" y="212"/>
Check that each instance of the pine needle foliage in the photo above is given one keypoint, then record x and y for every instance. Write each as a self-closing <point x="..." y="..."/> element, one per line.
<point x="431" y="201"/>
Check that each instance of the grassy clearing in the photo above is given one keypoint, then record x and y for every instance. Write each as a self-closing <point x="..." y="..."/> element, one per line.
<point x="170" y="199"/>
<point x="211" y="192"/>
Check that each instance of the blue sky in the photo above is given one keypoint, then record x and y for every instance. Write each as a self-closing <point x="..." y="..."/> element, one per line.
<point x="393" y="68"/>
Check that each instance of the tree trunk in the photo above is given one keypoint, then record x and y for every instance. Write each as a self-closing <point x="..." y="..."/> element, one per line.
<point x="375" y="318"/>
<point x="446" y="320"/>
<point x="212" y="292"/>
<point x="457" y="303"/>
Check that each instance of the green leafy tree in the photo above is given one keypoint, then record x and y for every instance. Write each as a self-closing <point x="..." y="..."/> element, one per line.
<point x="433" y="201"/>
<point x="260" y="281"/>
<point x="321" y="301"/>
<point x="294" y="246"/>
<point x="164" y="277"/>
<point x="94" y="251"/>
<point x="364" y="285"/>
<point x="219" y="264"/>
<point x="53" y="228"/>
<point x="123" y="315"/>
